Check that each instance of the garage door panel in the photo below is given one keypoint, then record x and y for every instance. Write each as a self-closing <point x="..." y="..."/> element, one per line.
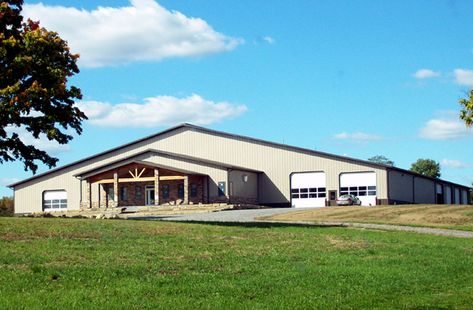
<point x="55" y="200"/>
<point x="308" y="189"/>
<point x="360" y="184"/>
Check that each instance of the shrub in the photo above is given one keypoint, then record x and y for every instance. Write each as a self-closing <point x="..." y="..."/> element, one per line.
<point x="6" y="206"/>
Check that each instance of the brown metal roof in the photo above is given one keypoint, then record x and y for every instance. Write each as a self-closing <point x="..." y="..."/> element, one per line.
<point x="234" y="136"/>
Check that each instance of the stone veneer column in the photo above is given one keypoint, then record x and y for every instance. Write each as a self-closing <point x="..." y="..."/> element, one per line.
<point x="102" y="196"/>
<point x="88" y="192"/>
<point x="156" y="187"/>
<point x="115" y="189"/>
<point x="186" y="190"/>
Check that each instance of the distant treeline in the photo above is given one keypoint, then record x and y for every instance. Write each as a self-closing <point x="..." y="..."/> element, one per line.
<point x="6" y="206"/>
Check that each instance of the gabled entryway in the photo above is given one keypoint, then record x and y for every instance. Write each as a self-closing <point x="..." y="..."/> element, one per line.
<point x="142" y="184"/>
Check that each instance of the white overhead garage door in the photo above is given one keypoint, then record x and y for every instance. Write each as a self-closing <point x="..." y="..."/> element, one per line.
<point x="360" y="184"/>
<point x="308" y="189"/>
<point x="54" y="200"/>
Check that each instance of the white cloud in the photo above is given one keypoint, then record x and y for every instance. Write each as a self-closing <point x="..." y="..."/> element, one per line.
<point x="452" y="163"/>
<point x="143" y="31"/>
<point x="357" y="136"/>
<point x="269" y="40"/>
<point x="463" y="76"/>
<point x="160" y="110"/>
<point x="446" y="128"/>
<point x="425" y="74"/>
<point x="42" y="143"/>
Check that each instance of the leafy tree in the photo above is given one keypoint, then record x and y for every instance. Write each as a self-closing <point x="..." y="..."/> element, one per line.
<point x="35" y="65"/>
<point x="6" y="206"/>
<point x="466" y="113"/>
<point x="380" y="159"/>
<point x="426" y="167"/>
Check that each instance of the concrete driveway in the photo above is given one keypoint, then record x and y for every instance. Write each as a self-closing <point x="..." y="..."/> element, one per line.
<point x="238" y="216"/>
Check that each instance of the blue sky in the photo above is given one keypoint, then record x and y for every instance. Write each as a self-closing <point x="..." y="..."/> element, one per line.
<point x="354" y="78"/>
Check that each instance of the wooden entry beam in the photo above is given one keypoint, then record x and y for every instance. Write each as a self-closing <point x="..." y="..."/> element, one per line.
<point x="143" y="179"/>
<point x="171" y="177"/>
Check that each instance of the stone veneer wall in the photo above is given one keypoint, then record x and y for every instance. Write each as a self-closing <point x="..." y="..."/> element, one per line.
<point x="173" y="191"/>
<point x="131" y="197"/>
<point x="133" y="200"/>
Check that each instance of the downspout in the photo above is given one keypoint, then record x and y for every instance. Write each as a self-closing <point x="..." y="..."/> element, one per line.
<point x="387" y="184"/>
<point x="227" y="186"/>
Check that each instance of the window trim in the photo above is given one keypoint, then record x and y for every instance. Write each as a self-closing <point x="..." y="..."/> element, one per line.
<point x="193" y="189"/>
<point x="165" y="191"/>
<point x="309" y="193"/>
<point x="359" y="191"/>
<point x="221" y="189"/>
<point x="180" y="191"/>
<point x="138" y="189"/>
<point x="123" y="193"/>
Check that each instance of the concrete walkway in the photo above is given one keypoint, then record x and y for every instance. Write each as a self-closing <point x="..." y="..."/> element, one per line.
<point x="250" y="216"/>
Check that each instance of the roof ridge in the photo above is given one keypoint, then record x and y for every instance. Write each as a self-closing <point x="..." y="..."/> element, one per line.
<point x="222" y="133"/>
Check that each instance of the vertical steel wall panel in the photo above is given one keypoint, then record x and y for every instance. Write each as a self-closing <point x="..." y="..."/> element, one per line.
<point x="401" y="186"/>
<point x="248" y="189"/>
<point x="424" y="190"/>
<point x="276" y="161"/>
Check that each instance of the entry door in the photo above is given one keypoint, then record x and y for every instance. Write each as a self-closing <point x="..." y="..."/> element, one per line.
<point x="149" y="195"/>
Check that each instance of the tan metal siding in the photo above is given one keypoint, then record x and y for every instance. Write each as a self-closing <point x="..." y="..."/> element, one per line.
<point x="247" y="189"/>
<point x="29" y="197"/>
<point x="276" y="162"/>
<point x="464" y="197"/>
<point x="401" y="187"/>
<point x="424" y="190"/>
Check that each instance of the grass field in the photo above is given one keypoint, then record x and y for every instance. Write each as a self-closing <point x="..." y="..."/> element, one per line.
<point x="76" y="263"/>
<point x="443" y="216"/>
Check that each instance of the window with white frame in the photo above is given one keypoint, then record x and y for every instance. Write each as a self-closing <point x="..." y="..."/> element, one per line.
<point x="123" y="193"/>
<point x="312" y="192"/>
<point x="358" y="190"/>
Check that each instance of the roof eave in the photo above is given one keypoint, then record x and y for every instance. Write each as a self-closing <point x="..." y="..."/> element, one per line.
<point x="12" y="186"/>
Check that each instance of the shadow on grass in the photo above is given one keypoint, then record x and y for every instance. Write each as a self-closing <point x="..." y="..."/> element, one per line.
<point x="261" y="224"/>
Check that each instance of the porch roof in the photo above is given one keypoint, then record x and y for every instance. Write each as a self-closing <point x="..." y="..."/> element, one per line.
<point x="138" y="159"/>
<point x="106" y="168"/>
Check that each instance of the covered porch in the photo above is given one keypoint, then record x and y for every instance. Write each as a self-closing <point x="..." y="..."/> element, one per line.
<point x="142" y="184"/>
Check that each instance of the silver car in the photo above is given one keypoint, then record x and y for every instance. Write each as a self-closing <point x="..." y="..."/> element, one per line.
<point x="348" y="200"/>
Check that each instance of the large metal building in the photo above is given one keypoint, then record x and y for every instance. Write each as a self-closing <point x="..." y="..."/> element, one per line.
<point x="188" y="164"/>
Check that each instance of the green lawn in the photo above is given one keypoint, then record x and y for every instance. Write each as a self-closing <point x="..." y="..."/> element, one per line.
<point x="75" y="263"/>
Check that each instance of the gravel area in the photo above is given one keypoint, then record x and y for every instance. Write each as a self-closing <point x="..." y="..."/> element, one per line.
<point x="249" y="216"/>
<point x="421" y="230"/>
